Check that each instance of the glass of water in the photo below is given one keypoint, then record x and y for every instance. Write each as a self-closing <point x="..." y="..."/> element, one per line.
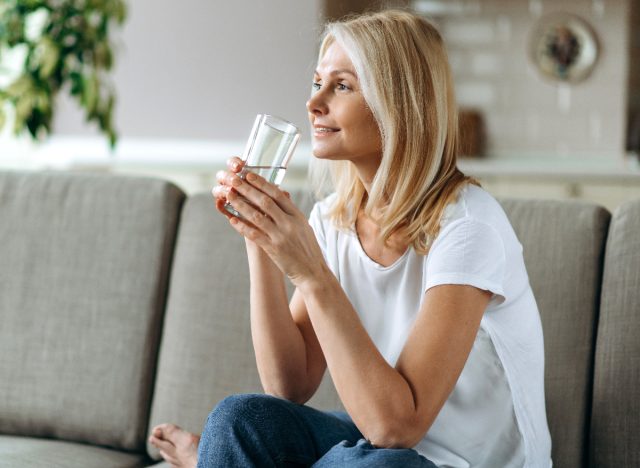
<point x="269" y="149"/>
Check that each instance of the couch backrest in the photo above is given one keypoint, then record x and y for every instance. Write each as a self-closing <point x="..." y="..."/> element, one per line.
<point x="615" y="421"/>
<point x="84" y="262"/>
<point x="563" y="244"/>
<point x="206" y="352"/>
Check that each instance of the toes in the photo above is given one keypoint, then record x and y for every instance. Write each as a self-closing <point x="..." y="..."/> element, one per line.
<point x="170" y="428"/>
<point x="165" y="431"/>
<point x="178" y="436"/>
<point x="169" y="458"/>
<point x="162" y="444"/>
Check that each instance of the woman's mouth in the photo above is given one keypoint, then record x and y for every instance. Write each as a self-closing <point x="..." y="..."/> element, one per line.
<point x="325" y="130"/>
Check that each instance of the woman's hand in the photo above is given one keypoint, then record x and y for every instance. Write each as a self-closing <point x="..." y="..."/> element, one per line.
<point x="272" y="221"/>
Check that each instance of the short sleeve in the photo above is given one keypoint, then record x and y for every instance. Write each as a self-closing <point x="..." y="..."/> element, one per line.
<point x="469" y="252"/>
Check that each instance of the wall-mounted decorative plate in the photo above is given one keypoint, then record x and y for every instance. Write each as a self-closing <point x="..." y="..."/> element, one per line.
<point x="563" y="47"/>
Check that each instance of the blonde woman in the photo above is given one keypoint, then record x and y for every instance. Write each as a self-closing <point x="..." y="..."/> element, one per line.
<point x="411" y="288"/>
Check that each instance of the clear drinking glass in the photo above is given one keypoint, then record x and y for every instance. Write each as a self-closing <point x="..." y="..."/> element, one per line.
<point x="269" y="149"/>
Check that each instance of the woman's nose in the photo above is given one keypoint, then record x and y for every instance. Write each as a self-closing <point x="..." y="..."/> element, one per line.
<point x="316" y="104"/>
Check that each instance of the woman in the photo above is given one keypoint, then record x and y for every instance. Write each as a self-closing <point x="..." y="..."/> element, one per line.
<point x="410" y="284"/>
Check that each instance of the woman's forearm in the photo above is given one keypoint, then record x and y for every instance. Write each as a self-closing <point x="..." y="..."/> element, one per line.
<point x="278" y="344"/>
<point x="376" y="395"/>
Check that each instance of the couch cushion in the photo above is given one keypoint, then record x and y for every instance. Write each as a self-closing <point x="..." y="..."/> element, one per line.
<point x="615" y="429"/>
<point x="85" y="262"/>
<point x="206" y="352"/>
<point x="563" y="244"/>
<point x="44" y="453"/>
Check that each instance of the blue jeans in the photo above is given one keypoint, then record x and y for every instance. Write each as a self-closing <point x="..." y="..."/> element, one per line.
<point x="263" y="431"/>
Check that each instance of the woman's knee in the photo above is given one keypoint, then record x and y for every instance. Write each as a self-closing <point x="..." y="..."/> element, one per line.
<point x="363" y="454"/>
<point x="244" y="409"/>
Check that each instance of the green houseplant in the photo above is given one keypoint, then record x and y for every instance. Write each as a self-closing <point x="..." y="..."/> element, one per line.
<point x="65" y="45"/>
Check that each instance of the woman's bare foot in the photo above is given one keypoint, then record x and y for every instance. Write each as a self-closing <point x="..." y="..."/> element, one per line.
<point x="177" y="446"/>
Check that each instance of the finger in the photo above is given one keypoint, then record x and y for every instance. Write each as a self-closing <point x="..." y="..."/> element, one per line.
<point x="226" y="177"/>
<point x="249" y="231"/>
<point x="258" y="203"/>
<point x="259" y="199"/>
<point x="235" y="164"/>
<point x="220" y="198"/>
<point x="220" y="192"/>
<point x="249" y="212"/>
<point x="220" y="206"/>
<point x="273" y="191"/>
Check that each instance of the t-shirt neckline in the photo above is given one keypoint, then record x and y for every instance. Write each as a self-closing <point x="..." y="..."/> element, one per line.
<point x="371" y="261"/>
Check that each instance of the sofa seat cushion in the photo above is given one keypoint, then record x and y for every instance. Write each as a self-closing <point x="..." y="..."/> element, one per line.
<point x="84" y="267"/>
<point x="18" y="451"/>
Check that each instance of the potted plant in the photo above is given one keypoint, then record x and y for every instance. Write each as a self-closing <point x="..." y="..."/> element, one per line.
<point x="61" y="45"/>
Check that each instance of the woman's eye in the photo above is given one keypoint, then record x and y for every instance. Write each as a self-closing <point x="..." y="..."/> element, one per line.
<point x="315" y="86"/>
<point x="343" y="87"/>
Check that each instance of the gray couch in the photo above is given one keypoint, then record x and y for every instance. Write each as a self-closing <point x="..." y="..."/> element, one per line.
<point x="124" y="303"/>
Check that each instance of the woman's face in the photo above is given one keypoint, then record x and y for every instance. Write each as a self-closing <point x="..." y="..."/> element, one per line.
<point x="343" y="126"/>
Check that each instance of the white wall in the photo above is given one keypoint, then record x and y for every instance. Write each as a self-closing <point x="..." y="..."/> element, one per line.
<point x="202" y="69"/>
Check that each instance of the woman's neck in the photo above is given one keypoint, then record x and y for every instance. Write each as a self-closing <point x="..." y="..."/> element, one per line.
<point x="369" y="235"/>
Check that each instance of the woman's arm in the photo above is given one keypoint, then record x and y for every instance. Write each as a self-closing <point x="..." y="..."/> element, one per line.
<point x="289" y="359"/>
<point x="392" y="407"/>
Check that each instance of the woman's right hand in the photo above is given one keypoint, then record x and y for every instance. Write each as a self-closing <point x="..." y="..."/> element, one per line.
<point x="225" y="179"/>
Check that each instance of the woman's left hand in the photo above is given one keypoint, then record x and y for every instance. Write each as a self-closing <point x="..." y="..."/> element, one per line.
<point x="274" y="223"/>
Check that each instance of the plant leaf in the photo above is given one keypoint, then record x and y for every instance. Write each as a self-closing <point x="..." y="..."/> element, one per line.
<point x="68" y="46"/>
<point x="3" y="117"/>
<point x="50" y="57"/>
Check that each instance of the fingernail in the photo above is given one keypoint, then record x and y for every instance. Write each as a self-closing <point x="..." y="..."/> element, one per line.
<point x="236" y="182"/>
<point x="251" y="177"/>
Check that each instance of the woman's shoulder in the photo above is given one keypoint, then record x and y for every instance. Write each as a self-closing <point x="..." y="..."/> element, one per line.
<point x="474" y="204"/>
<point x="477" y="214"/>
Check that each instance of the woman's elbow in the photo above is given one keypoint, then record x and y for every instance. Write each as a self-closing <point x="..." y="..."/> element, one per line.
<point x="395" y="436"/>
<point x="290" y="393"/>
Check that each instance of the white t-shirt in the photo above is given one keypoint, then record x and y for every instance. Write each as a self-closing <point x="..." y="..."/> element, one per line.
<point x="495" y="415"/>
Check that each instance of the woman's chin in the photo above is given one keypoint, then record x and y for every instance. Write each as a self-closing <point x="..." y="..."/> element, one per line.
<point x="320" y="152"/>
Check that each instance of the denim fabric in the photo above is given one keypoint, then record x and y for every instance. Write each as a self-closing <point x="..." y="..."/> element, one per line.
<point x="264" y="431"/>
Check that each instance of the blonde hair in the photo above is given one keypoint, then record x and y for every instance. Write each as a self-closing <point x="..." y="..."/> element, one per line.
<point x="404" y="75"/>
